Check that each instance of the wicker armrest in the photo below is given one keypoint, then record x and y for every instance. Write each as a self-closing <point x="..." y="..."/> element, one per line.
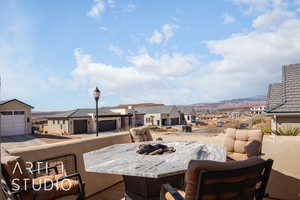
<point x="58" y="158"/>
<point x="46" y="169"/>
<point x="168" y="188"/>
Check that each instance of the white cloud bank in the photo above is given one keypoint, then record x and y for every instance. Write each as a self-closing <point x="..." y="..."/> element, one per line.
<point x="249" y="62"/>
<point x="146" y="77"/>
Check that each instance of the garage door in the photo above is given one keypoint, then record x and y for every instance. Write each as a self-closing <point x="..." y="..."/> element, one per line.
<point x="12" y="123"/>
<point x="174" y="121"/>
<point x="108" y="125"/>
<point x="80" y="126"/>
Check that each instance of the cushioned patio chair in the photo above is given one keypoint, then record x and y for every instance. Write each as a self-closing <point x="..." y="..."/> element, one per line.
<point x="48" y="183"/>
<point x="140" y="134"/>
<point x="233" y="180"/>
<point x="242" y="144"/>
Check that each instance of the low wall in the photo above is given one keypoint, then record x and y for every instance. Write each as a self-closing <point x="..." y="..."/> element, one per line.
<point x="284" y="150"/>
<point x="94" y="182"/>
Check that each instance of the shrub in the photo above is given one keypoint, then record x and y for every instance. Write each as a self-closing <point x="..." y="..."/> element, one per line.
<point x="287" y="131"/>
<point x="257" y="121"/>
<point x="266" y="130"/>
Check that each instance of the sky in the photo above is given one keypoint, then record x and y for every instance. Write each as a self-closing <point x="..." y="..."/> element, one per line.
<point x="54" y="53"/>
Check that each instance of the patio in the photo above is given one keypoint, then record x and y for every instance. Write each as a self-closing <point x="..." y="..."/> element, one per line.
<point x="283" y="184"/>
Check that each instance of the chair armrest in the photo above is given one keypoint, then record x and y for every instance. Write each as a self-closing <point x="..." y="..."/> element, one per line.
<point x="57" y="158"/>
<point x="46" y="169"/>
<point x="168" y="188"/>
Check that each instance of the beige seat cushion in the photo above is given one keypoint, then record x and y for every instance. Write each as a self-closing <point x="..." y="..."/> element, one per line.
<point x="140" y="134"/>
<point x="195" y="166"/>
<point x="246" y="142"/>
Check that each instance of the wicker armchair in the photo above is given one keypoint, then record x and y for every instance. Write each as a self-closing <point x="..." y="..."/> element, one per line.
<point x="40" y="183"/>
<point x="233" y="180"/>
<point x="243" y="144"/>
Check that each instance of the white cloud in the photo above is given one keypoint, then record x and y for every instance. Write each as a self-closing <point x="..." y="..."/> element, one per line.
<point x="228" y="19"/>
<point x="254" y="5"/>
<point x="146" y="77"/>
<point x="167" y="32"/>
<point x="97" y="9"/>
<point x="156" y="37"/>
<point x="103" y="28"/>
<point x="272" y="19"/>
<point x="116" y="50"/>
<point x="250" y="61"/>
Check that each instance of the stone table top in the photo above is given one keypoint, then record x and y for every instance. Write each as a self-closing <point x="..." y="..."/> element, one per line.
<point x="122" y="159"/>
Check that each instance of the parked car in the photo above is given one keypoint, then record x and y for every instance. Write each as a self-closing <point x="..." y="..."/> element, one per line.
<point x="219" y="123"/>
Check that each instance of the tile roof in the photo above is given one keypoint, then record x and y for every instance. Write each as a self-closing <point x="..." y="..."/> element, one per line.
<point x="187" y="110"/>
<point x="274" y="98"/>
<point x="155" y="109"/>
<point x="138" y="105"/>
<point x="81" y="112"/>
<point x="285" y="97"/>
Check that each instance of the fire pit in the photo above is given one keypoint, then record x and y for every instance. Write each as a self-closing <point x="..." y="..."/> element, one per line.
<point x="156" y="149"/>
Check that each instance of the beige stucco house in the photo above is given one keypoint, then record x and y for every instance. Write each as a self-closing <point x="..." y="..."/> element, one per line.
<point x="283" y="102"/>
<point x="84" y="120"/>
<point x="188" y="114"/>
<point x="160" y="115"/>
<point x="15" y="118"/>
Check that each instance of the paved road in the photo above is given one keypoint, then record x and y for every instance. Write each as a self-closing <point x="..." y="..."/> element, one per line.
<point x="19" y="141"/>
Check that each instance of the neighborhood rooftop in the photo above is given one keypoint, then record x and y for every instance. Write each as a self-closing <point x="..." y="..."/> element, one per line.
<point x="81" y="112"/>
<point x="2" y="102"/>
<point x="285" y="97"/>
<point x="155" y="109"/>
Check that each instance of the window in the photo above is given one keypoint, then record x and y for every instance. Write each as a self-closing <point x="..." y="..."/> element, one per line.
<point x="6" y="113"/>
<point x="19" y="113"/>
<point x="64" y="122"/>
<point x="188" y="117"/>
<point x="53" y="121"/>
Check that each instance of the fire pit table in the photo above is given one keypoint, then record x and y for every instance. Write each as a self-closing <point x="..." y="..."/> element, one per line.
<point x="144" y="174"/>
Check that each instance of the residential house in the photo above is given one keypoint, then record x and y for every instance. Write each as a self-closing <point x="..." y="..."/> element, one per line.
<point x="84" y="121"/>
<point x="15" y="117"/>
<point x="188" y="114"/>
<point x="283" y="101"/>
<point x="257" y="109"/>
<point x="160" y="115"/>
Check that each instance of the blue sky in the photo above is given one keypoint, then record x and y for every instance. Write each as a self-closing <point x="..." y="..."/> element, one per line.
<point x="53" y="53"/>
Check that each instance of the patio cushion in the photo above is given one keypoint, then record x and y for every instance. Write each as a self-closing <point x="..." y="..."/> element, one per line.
<point x="247" y="142"/>
<point x="195" y="166"/>
<point x="168" y="196"/>
<point x="140" y="134"/>
<point x="237" y="156"/>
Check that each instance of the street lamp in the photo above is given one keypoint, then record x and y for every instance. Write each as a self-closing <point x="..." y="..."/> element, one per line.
<point x="97" y="94"/>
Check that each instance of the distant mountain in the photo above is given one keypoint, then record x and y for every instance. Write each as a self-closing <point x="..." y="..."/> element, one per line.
<point x="232" y="104"/>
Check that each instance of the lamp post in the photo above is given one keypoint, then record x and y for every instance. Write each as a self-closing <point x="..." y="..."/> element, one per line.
<point x="97" y="96"/>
